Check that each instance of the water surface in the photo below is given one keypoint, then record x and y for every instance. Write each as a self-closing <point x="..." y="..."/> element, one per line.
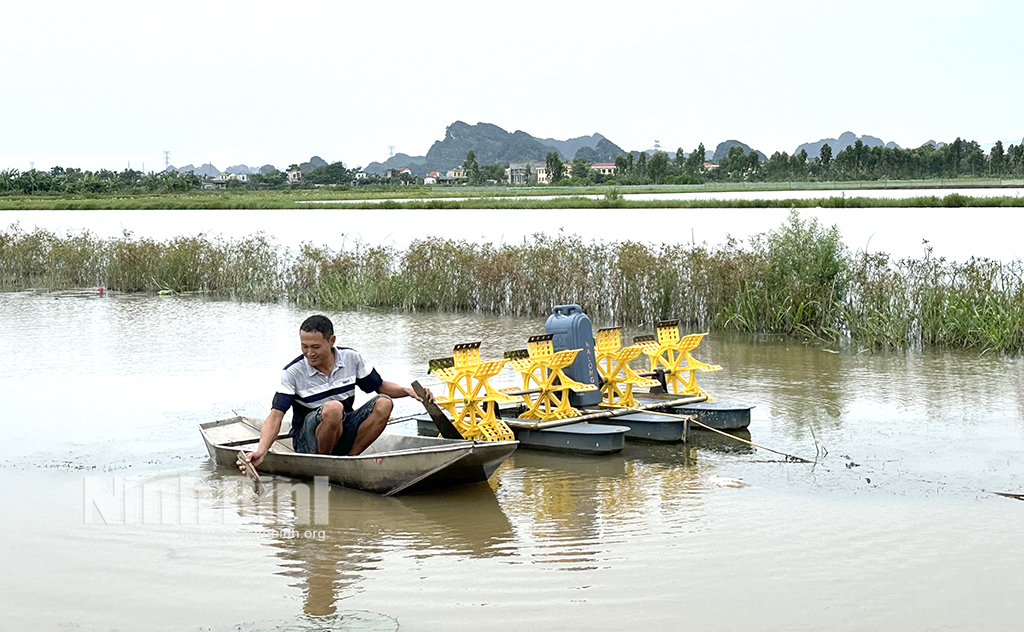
<point x="895" y="528"/>
<point x="955" y="233"/>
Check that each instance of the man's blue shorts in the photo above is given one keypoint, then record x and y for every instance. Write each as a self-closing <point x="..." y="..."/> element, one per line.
<point x="306" y="442"/>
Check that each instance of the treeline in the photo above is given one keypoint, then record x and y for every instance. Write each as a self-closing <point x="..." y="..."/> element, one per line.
<point x="858" y="162"/>
<point x="798" y="279"/>
<point x="77" y="182"/>
<point x="959" y="159"/>
<point x="61" y="181"/>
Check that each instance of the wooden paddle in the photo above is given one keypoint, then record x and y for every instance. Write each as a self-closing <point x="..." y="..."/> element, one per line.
<point x="250" y="471"/>
<point x="444" y="425"/>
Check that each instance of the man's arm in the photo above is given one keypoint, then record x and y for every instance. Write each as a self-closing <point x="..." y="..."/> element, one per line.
<point x="268" y="435"/>
<point x="394" y="391"/>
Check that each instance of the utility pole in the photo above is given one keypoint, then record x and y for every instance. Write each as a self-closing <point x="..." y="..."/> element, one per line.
<point x="167" y="159"/>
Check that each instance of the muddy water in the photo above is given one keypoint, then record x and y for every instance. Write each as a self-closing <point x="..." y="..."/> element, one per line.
<point x="896" y="526"/>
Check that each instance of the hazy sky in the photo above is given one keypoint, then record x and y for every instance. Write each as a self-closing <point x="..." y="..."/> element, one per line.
<point x="100" y="83"/>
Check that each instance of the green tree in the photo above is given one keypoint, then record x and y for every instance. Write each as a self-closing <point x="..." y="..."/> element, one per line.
<point x="997" y="159"/>
<point x="556" y="171"/>
<point x="695" y="161"/>
<point x="8" y="180"/>
<point x="580" y="168"/>
<point x="270" y="179"/>
<point x="472" y="167"/>
<point x="825" y="157"/>
<point x="334" y="173"/>
<point x="657" y="166"/>
<point x="495" y="171"/>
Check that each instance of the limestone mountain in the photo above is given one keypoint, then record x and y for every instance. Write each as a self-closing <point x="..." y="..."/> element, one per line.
<point x="723" y="150"/>
<point x="493" y="144"/>
<point x="314" y="163"/>
<point x="846" y="139"/>
<point x="490" y="142"/>
<point x="602" y="151"/>
<point x="206" y="170"/>
<point x="570" y="149"/>
<point x="415" y="163"/>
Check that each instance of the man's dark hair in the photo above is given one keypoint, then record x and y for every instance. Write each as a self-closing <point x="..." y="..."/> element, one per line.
<point x="319" y="323"/>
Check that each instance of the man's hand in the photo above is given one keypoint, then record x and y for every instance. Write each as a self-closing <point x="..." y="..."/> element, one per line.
<point x="426" y="391"/>
<point x="254" y="459"/>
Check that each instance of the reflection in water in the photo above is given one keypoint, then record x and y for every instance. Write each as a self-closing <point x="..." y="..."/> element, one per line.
<point x="575" y="509"/>
<point x="329" y="561"/>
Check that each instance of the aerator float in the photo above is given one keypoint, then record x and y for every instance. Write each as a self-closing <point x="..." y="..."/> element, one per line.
<point x="581" y="395"/>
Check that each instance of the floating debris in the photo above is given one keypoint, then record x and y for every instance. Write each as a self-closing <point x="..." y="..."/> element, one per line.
<point x="724" y="481"/>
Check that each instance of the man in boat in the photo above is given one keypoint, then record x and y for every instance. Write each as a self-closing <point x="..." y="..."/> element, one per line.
<point x="319" y="387"/>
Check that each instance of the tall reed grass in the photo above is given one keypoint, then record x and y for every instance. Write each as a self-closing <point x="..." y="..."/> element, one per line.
<point x="798" y="279"/>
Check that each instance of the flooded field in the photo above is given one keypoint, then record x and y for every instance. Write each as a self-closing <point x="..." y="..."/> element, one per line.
<point x="955" y="233"/>
<point x="895" y="527"/>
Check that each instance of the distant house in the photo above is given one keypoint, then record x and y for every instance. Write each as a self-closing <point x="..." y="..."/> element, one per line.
<point x="430" y="178"/>
<point x="398" y="173"/>
<point x="605" y="168"/>
<point x="523" y="172"/>
<point x="458" y="173"/>
<point x="708" y="166"/>
<point x="360" y="175"/>
<point x="543" y="177"/>
<point x="403" y="175"/>
<point x="294" y="175"/>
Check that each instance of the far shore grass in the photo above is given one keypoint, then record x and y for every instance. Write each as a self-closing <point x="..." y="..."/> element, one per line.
<point x="434" y="197"/>
<point x="799" y="279"/>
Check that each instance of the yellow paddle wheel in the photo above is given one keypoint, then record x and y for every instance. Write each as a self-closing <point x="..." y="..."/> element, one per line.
<point x="671" y="353"/>
<point x="546" y="387"/>
<point x="613" y="364"/>
<point x="471" y="401"/>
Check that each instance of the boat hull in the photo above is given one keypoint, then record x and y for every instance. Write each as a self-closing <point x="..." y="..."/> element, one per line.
<point x="393" y="464"/>
<point x="581" y="438"/>
<point x="717" y="415"/>
<point x="644" y="426"/>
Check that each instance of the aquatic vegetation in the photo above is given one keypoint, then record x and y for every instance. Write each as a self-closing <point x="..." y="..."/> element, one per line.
<point x="798" y="279"/>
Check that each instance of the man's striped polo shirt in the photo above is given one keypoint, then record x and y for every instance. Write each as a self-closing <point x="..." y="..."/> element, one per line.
<point x="305" y="389"/>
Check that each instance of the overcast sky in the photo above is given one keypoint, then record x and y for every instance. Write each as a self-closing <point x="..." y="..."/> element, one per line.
<point x="101" y="83"/>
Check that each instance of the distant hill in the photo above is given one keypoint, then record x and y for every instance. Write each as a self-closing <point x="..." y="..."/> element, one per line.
<point x="846" y="139"/>
<point x="490" y="142"/>
<point x="723" y="150"/>
<point x="415" y="164"/>
<point x="314" y="163"/>
<point x="569" y="148"/>
<point x="604" y="151"/>
<point x="237" y="169"/>
<point x="205" y="170"/>
<point x="493" y="144"/>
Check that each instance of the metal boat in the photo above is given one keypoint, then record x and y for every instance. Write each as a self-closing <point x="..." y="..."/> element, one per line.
<point x="393" y="464"/>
